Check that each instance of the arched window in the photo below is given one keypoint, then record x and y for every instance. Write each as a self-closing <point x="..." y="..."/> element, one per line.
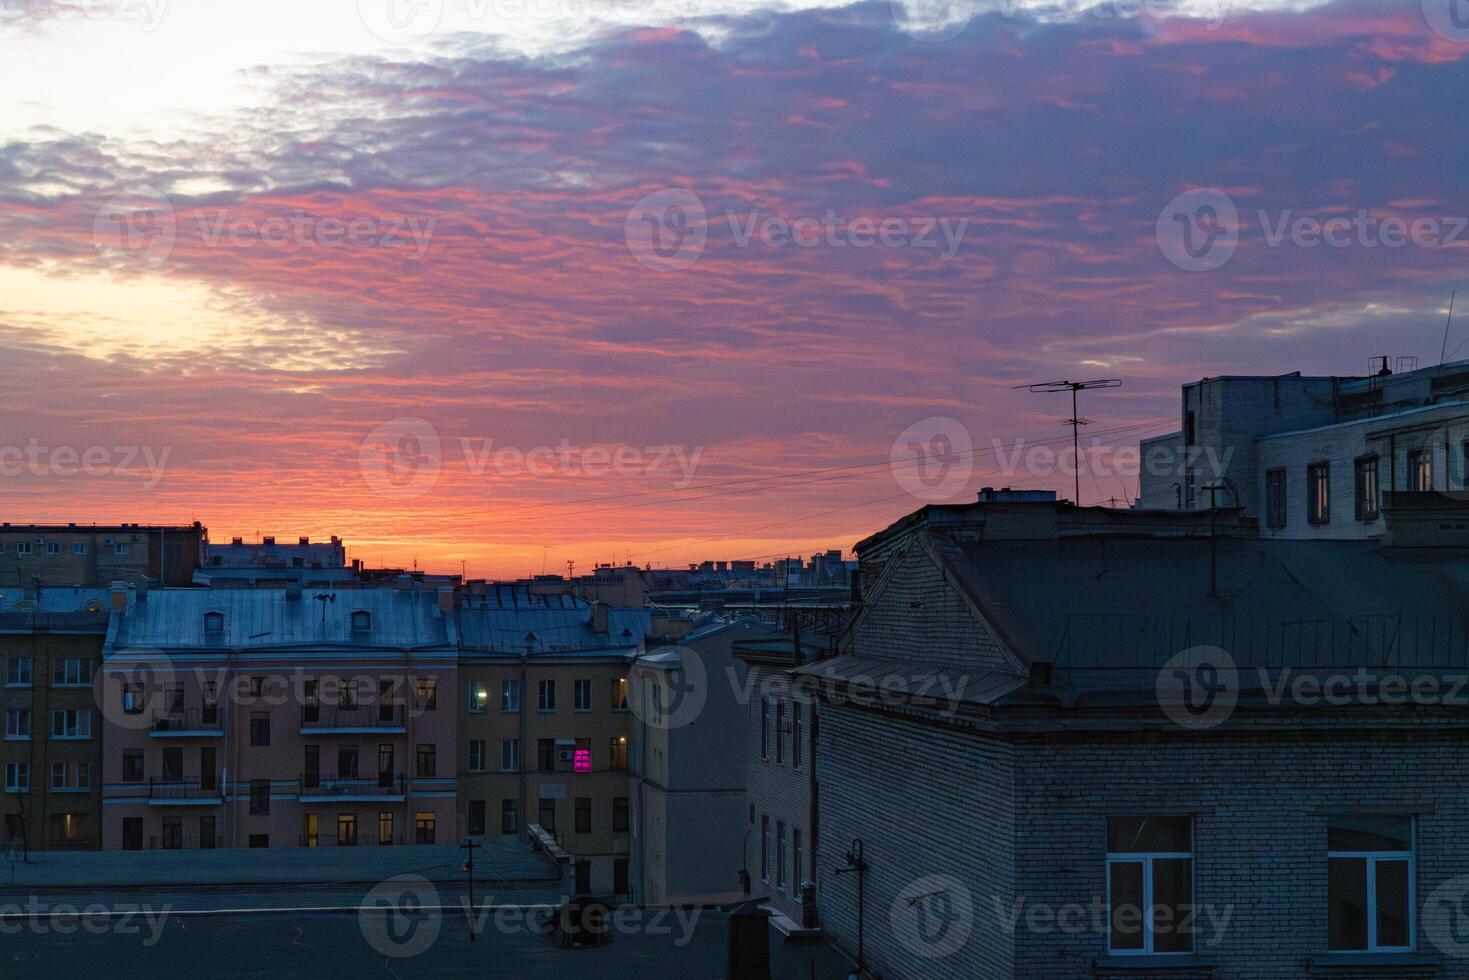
<point x="361" y="621"/>
<point x="214" y="622"/>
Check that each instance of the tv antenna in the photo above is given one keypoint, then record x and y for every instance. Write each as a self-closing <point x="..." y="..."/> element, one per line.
<point x="1076" y="421"/>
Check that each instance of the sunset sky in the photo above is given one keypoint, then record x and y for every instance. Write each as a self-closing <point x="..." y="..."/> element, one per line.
<point x="303" y="267"/>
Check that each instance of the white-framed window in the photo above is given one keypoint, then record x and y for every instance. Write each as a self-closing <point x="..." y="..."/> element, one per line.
<point x="1371" y="880"/>
<point x="509" y="755"/>
<point x="582" y="695"/>
<point x="510" y="696"/>
<point x="71" y="723"/>
<point x="18" y="723"/>
<point x="1150" y="885"/>
<point x="479" y="697"/>
<point x="547" y="695"/>
<point x="79" y="548"/>
<point x="71" y="672"/>
<point x="476" y="755"/>
<point x="53" y="547"/>
<point x="765" y="848"/>
<point x="71" y="776"/>
<point x="17" y="777"/>
<point x="18" y="672"/>
<point x="122" y="548"/>
<point x="780" y="854"/>
<point x="22" y="547"/>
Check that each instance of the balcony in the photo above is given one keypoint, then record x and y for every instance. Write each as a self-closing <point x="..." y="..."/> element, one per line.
<point x="184" y="792"/>
<point x="383" y="788"/>
<point x="188" y="723"/>
<point x="376" y="719"/>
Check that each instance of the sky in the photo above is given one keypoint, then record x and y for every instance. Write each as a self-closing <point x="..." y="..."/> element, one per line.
<point x="517" y="283"/>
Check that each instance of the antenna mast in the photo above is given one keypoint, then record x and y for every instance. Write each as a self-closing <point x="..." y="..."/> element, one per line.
<point x="1076" y="421"/>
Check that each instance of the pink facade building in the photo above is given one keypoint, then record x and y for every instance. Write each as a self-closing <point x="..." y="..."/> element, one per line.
<point x="277" y="718"/>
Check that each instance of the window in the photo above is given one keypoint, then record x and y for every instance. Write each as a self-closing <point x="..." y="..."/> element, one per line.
<point x="424" y="830"/>
<point x="23" y="548"/>
<point x="619" y="814"/>
<point x="619" y="876"/>
<point x="547" y="815"/>
<point x="581" y="756"/>
<point x="172" y="761"/>
<point x="207" y="836"/>
<point x="347" y="761"/>
<point x="474" y="824"/>
<point x="133" y="700"/>
<point x="582" y="871"/>
<point x="122" y="548"/>
<point x="1420" y="470"/>
<point x="259" y="796"/>
<point x="581" y="691"/>
<point x="18" y="672"/>
<point x="476" y="755"/>
<point x="765" y="730"/>
<point x="428" y="694"/>
<point x="479" y="697"/>
<point x="260" y="728"/>
<point x="796" y="859"/>
<point x="1367" y="490"/>
<point x="428" y="761"/>
<point x="385" y="828"/>
<point x="1464" y="466"/>
<point x="17" y="777"/>
<point x="546" y="754"/>
<point x="347" y="694"/>
<point x="259" y="840"/>
<point x="18" y="723"/>
<point x="71" y="672"/>
<point x="583" y="813"/>
<point x="1275" y="498"/>
<point x="780" y="738"/>
<point x="346" y="830"/>
<point x="764" y="848"/>
<point x="509" y="817"/>
<point x="547" y="695"/>
<point x="214" y="623"/>
<point x="780" y="854"/>
<point x="509" y="755"/>
<point x="619" y="694"/>
<point x="795" y="735"/>
<point x="1150" y="876"/>
<point x="618" y="749"/>
<point x="510" y="696"/>
<point x="1370" y="883"/>
<point x="71" y="776"/>
<point x="132" y="833"/>
<point x="361" y="621"/>
<point x="53" y="547"/>
<point x="1318" y="493"/>
<point x="79" y="548"/>
<point x="132" y="765"/>
<point x="71" y="723"/>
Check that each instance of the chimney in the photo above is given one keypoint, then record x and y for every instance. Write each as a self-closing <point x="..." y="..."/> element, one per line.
<point x="305" y="540"/>
<point x="446" y="599"/>
<point x="237" y="540"/>
<point x="269" y="539"/>
<point x="142" y="590"/>
<point x="119" y="597"/>
<point x="599" y="617"/>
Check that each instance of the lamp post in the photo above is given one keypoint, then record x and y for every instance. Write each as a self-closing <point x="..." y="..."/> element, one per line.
<point x="856" y="862"/>
<point x="470" y="845"/>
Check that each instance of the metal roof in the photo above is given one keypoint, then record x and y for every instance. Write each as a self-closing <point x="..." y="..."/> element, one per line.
<point x="54" y="599"/>
<point x="399" y="619"/>
<point x="558" y="624"/>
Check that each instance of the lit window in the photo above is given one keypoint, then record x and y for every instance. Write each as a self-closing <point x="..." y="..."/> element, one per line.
<point x="1150" y="876"/>
<point x="1367" y="490"/>
<point x="1318" y="493"/>
<point x="479" y="697"/>
<point x="1420" y="470"/>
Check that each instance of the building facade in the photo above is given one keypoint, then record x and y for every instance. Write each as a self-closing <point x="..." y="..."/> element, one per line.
<point x="272" y="718"/>
<point x="98" y="555"/>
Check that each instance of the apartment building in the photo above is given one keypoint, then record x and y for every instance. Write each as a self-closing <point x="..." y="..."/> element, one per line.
<point x="268" y="553"/>
<point x="98" y="555"/>
<point x="688" y="777"/>
<point x="1312" y="457"/>
<point x="280" y="718"/>
<point x="544" y="725"/>
<point x="1050" y="719"/>
<point x="781" y="837"/>
<point x="50" y="647"/>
